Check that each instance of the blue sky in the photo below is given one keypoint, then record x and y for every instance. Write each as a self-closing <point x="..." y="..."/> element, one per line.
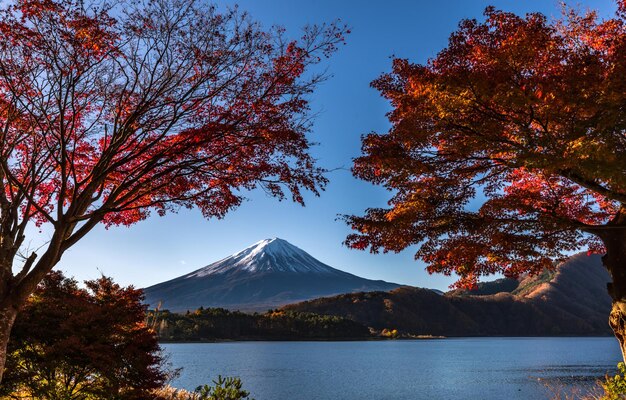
<point x="163" y="248"/>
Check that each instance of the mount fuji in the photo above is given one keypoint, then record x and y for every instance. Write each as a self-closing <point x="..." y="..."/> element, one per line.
<point x="268" y="274"/>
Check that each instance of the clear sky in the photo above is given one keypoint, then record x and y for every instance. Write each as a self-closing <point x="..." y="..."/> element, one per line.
<point x="163" y="248"/>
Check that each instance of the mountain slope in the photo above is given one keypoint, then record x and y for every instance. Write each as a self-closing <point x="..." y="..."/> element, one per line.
<point x="570" y="301"/>
<point x="268" y="274"/>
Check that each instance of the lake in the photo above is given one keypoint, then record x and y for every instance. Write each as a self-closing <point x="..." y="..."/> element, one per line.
<point x="459" y="368"/>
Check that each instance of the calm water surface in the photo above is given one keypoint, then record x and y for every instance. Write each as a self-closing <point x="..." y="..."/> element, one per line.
<point x="467" y="368"/>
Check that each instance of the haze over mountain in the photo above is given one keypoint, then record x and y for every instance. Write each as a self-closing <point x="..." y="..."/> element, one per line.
<point x="571" y="300"/>
<point x="268" y="274"/>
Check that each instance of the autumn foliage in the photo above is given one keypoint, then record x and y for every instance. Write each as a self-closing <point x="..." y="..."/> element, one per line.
<point x="507" y="150"/>
<point x="73" y="343"/>
<point x="112" y="111"/>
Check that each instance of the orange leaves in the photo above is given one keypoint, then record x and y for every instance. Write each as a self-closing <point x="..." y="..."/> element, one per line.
<point x="506" y="150"/>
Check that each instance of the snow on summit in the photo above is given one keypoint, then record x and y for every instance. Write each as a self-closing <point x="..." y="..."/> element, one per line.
<point x="268" y="255"/>
<point x="268" y="274"/>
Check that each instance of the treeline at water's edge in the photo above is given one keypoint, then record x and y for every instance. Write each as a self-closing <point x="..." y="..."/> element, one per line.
<point x="212" y="324"/>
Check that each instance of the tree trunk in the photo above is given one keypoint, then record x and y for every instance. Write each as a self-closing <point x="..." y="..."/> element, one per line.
<point x="15" y="294"/>
<point x="7" y="318"/>
<point x="617" y="321"/>
<point x="615" y="261"/>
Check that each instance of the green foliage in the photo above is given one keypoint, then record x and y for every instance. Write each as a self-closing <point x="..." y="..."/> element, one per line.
<point x="528" y="285"/>
<point x="615" y="386"/>
<point x="218" y="323"/>
<point x="224" y="389"/>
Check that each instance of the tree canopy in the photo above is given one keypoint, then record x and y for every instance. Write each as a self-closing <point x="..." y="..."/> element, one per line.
<point x="111" y="111"/>
<point x="507" y="150"/>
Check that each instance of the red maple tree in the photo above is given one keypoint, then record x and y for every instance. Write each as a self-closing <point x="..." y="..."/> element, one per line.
<point x="507" y="150"/>
<point x="111" y="111"/>
<point x="74" y="343"/>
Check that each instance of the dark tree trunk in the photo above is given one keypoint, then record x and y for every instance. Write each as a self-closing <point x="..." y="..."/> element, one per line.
<point x="7" y="318"/>
<point x="615" y="261"/>
<point x="15" y="290"/>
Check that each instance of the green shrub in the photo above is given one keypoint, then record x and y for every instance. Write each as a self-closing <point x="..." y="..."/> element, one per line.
<point x="615" y="386"/>
<point x="224" y="389"/>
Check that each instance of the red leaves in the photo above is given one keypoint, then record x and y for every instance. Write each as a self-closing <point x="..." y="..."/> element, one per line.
<point x="168" y="105"/>
<point x="95" y="338"/>
<point x="554" y="197"/>
<point x="36" y="8"/>
<point x="506" y="150"/>
<point x="290" y="65"/>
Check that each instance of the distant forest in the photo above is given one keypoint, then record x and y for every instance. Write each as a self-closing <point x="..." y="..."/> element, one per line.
<point x="221" y="324"/>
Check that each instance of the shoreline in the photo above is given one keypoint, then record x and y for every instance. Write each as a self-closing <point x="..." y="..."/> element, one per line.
<point x="356" y="339"/>
<point x="373" y="339"/>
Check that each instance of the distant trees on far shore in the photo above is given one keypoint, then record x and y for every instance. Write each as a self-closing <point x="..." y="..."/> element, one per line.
<point x="221" y="324"/>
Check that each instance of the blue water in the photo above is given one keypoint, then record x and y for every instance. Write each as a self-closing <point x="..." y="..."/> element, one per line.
<point x="465" y="368"/>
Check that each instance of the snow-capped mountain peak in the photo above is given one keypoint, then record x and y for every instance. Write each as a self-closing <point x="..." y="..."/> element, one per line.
<point x="268" y="274"/>
<point x="268" y="255"/>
